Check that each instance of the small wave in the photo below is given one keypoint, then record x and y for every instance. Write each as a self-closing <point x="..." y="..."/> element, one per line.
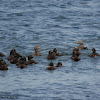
<point x="59" y="18"/>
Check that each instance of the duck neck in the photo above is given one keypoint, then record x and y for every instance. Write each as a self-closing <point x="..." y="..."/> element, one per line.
<point x="36" y="51"/>
<point x="94" y="51"/>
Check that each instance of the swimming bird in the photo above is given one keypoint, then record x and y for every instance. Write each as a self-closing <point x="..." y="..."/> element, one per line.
<point x="3" y="65"/>
<point x="21" y="60"/>
<point x="55" y="51"/>
<point x="51" y="55"/>
<point x="14" y="56"/>
<point x="30" y="60"/>
<point x="81" y="46"/>
<point x="1" y="54"/>
<point x="37" y="53"/>
<point x="21" y="63"/>
<point x="59" y="64"/>
<point x="22" y="66"/>
<point x="75" y="54"/>
<point x="93" y="54"/>
<point x="52" y="67"/>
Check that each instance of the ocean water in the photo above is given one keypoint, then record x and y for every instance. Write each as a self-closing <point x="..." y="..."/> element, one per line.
<point x="49" y="24"/>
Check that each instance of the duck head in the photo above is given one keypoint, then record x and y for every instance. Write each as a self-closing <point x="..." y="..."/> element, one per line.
<point x="80" y="42"/>
<point x="30" y="57"/>
<point x="51" y="64"/>
<point x="59" y="64"/>
<point x="55" y="50"/>
<point x="94" y="50"/>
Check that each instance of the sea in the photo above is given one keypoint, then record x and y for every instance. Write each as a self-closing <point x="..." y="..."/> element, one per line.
<point x="50" y="24"/>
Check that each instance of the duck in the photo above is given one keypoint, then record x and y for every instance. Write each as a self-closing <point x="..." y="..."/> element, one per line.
<point x="55" y="51"/>
<point x="75" y="55"/>
<point x="14" y="56"/>
<point x="22" y="66"/>
<point x="76" y="50"/>
<point x="81" y="46"/>
<point x="12" y="53"/>
<point x="3" y="63"/>
<point x="3" y="67"/>
<point x="59" y="64"/>
<point x="93" y="54"/>
<point x="37" y="53"/>
<point x="1" y="54"/>
<point x="21" y="60"/>
<point x="52" y="67"/>
<point x="14" y="59"/>
<point x="76" y="58"/>
<point x="51" y="55"/>
<point x="30" y="61"/>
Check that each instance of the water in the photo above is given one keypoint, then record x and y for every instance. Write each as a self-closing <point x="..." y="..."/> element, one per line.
<point x="49" y="24"/>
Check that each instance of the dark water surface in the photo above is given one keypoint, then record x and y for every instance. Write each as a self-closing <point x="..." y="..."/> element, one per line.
<point x="50" y="24"/>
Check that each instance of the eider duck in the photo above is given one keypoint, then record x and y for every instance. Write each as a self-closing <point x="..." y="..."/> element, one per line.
<point x="51" y="55"/>
<point x="52" y="67"/>
<point x="59" y="64"/>
<point x="55" y="51"/>
<point x="37" y="53"/>
<point x="76" y="50"/>
<point x="22" y="66"/>
<point x="81" y="46"/>
<point x="75" y="55"/>
<point x="30" y="61"/>
<point x="12" y="53"/>
<point x="76" y="58"/>
<point x="3" y="65"/>
<point x="93" y="54"/>
<point x="1" y="54"/>
<point x="14" y="56"/>
<point x="21" y="60"/>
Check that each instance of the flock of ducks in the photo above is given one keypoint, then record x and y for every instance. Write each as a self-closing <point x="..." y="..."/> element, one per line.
<point x="22" y="62"/>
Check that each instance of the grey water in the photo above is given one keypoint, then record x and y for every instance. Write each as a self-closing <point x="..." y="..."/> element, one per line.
<point x="49" y="24"/>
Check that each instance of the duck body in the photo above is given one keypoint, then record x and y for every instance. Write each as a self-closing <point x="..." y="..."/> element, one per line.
<point x="81" y="46"/>
<point x="52" y="67"/>
<point x="55" y="51"/>
<point x="51" y="56"/>
<point x="93" y="54"/>
<point x="1" y="54"/>
<point x="3" y="65"/>
<point x="59" y="64"/>
<point x="75" y="58"/>
<point x="30" y="60"/>
<point x="14" y="56"/>
<point x="22" y="66"/>
<point x="21" y="60"/>
<point x="37" y="53"/>
<point x="75" y="54"/>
